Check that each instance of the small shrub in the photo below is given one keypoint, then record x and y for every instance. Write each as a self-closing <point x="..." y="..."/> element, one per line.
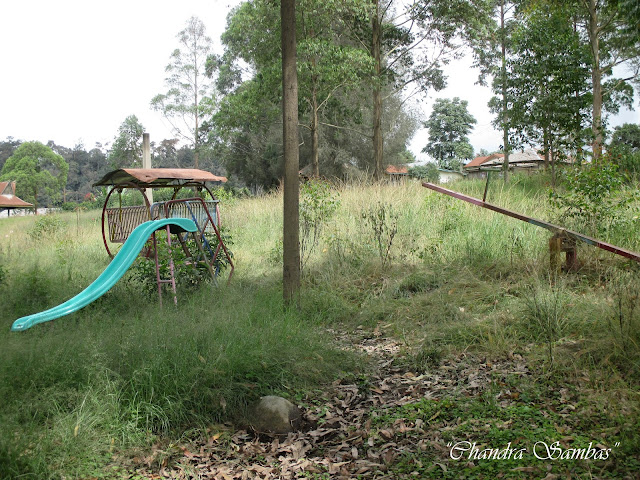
<point x="383" y="223"/>
<point x="594" y="197"/>
<point x="46" y="226"/>
<point x="317" y="205"/>
<point x="187" y="274"/>
<point x="276" y="253"/>
<point x="69" y="206"/>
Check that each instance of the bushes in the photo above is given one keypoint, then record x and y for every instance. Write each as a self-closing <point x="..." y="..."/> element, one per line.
<point x="428" y="172"/>
<point x="318" y="203"/>
<point x="594" y="197"/>
<point x="47" y="226"/>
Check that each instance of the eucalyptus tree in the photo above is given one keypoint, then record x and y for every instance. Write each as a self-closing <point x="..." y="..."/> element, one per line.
<point x="611" y="29"/>
<point x="126" y="150"/>
<point x="548" y="82"/>
<point x="190" y="95"/>
<point x="291" y="267"/>
<point x="326" y="66"/>
<point x="490" y="43"/>
<point x="410" y="44"/>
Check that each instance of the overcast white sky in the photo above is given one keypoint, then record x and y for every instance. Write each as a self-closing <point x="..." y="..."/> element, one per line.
<point x="74" y="70"/>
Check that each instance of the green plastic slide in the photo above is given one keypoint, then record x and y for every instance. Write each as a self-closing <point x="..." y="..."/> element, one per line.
<point x="114" y="271"/>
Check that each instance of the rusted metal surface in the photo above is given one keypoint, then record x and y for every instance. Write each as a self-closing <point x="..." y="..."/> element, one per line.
<point x="8" y="197"/>
<point x="209" y="222"/>
<point x="141" y="179"/>
<point x="157" y="177"/>
<point x="539" y="223"/>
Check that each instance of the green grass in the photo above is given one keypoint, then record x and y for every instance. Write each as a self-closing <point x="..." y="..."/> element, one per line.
<point x="124" y="371"/>
<point x="483" y="439"/>
<point x="85" y="391"/>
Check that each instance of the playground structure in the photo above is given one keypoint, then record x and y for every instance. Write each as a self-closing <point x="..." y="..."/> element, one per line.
<point x="563" y="240"/>
<point x="136" y="227"/>
<point x="121" y="221"/>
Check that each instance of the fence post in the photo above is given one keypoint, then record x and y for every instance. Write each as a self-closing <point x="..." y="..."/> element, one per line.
<point x="146" y="162"/>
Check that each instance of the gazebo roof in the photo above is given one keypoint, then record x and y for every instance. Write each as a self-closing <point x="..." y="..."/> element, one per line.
<point x="8" y="197"/>
<point x="157" y="177"/>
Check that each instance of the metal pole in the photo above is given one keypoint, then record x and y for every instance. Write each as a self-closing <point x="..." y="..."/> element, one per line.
<point x="538" y="223"/>
<point x="146" y="161"/>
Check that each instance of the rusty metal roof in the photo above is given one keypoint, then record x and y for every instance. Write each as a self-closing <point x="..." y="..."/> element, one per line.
<point x="157" y="177"/>
<point x="476" y="162"/>
<point x="8" y="197"/>
<point x="394" y="170"/>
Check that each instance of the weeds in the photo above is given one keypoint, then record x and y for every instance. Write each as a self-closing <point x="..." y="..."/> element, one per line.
<point x="594" y="197"/>
<point x="383" y="224"/>
<point x="624" y="320"/>
<point x="46" y="226"/>
<point x="545" y="312"/>
<point x="124" y="374"/>
<point x="318" y="203"/>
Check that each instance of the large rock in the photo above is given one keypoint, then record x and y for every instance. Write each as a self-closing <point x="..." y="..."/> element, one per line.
<point x="272" y="414"/>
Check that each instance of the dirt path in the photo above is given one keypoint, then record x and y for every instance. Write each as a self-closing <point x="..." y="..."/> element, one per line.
<point x="344" y="438"/>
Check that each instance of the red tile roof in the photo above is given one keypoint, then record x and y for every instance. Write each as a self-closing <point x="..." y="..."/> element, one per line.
<point x="158" y="176"/>
<point x="476" y="162"/>
<point x="393" y="170"/>
<point x="8" y="197"/>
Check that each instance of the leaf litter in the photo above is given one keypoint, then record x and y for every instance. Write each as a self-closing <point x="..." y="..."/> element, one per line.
<point x="341" y="439"/>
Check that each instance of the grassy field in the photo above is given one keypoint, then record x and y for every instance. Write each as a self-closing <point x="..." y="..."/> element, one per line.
<point x="441" y="277"/>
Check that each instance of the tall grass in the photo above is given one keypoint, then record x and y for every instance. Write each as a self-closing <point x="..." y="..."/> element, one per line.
<point x="124" y="372"/>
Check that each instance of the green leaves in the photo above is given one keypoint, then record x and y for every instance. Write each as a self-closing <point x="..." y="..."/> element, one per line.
<point x="449" y="124"/>
<point x="594" y="197"/>
<point x="127" y="146"/>
<point x="37" y="171"/>
<point x="190" y="96"/>
<point x="547" y="81"/>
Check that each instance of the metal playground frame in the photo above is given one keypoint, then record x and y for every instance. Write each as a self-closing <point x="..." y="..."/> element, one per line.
<point x="563" y="240"/>
<point x="119" y="222"/>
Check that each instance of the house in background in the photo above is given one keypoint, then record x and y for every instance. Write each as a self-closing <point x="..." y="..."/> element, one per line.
<point x="397" y="174"/>
<point x="526" y="161"/>
<point x="447" y="176"/>
<point x="8" y="199"/>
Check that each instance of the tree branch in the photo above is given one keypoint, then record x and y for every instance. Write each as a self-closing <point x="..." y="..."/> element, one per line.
<point x="346" y="128"/>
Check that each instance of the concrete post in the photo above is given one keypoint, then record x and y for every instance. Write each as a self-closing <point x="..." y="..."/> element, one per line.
<point x="146" y="161"/>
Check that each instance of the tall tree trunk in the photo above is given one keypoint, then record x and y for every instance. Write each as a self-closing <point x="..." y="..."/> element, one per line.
<point x="552" y="154"/>
<point x="376" y="47"/>
<point x="315" y="165"/>
<point x="291" y="214"/>
<point x="545" y="145"/>
<point x="503" y="73"/>
<point x="578" y="142"/>
<point x="196" y="132"/>
<point x="596" y="79"/>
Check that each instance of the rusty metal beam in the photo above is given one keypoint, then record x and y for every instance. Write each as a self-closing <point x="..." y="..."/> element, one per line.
<point x="538" y="223"/>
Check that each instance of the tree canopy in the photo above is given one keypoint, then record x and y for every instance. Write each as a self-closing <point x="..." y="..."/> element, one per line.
<point x="190" y="97"/>
<point x="39" y="173"/>
<point x="126" y="150"/>
<point x="547" y="85"/>
<point x="449" y="126"/>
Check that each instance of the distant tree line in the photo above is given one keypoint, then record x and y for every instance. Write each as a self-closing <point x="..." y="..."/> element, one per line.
<point x="87" y="165"/>
<point x="360" y="66"/>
